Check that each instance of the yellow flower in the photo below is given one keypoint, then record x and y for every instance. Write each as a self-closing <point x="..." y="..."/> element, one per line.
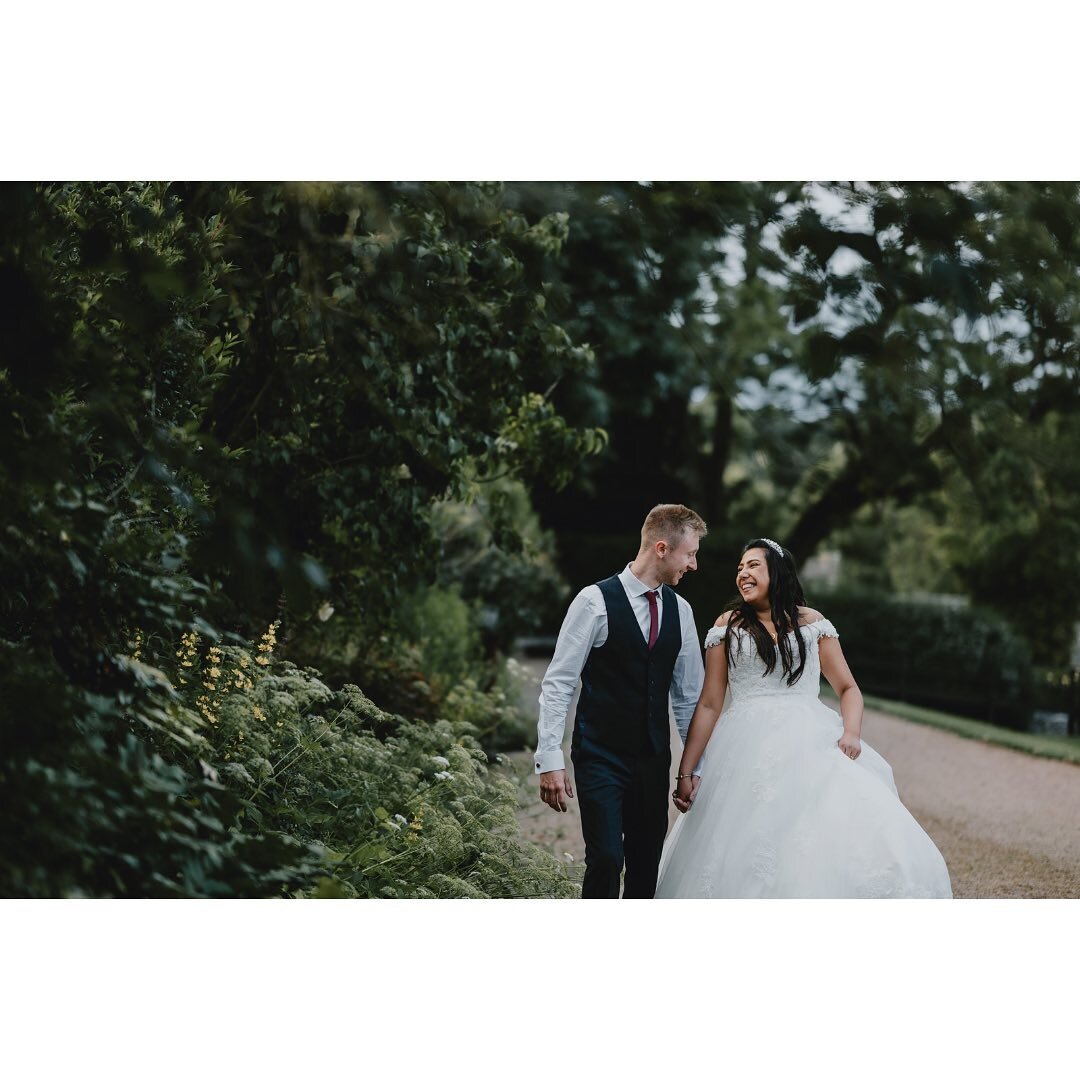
<point x="257" y="713"/>
<point x="269" y="639"/>
<point x="215" y="672"/>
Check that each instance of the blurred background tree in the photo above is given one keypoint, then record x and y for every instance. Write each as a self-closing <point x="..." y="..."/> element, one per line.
<point x="953" y="340"/>
<point x="885" y="370"/>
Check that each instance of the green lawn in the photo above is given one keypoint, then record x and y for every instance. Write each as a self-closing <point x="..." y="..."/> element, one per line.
<point x="1061" y="747"/>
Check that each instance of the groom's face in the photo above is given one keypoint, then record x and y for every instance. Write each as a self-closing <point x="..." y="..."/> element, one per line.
<point x="680" y="559"/>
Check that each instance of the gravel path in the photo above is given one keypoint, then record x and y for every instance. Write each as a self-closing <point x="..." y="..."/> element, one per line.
<point x="1007" y="823"/>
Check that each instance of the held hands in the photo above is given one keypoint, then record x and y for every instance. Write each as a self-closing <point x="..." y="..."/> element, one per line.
<point x="850" y="744"/>
<point x="555" y="789"/>
<point x="685" y="792"/>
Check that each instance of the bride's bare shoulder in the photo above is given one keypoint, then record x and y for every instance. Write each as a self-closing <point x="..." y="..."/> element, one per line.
<point x="809" y="615"/>
<point x="724" y="619"/>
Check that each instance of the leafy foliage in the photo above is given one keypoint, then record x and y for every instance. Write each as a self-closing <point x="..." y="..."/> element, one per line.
<point x="219" y="400"/>
<point x="494" y="549"/>
<point x="633" y="280"/>
<point x="418" y="813"/>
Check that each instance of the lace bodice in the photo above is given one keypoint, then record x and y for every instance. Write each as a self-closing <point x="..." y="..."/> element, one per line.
<point x="746" y="673"/>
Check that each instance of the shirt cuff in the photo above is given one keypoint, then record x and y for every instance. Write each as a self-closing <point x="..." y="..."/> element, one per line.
<point x="550" y="761"/>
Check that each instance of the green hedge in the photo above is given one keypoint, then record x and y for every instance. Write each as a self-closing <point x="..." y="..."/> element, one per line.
<point x="962" y="660"/>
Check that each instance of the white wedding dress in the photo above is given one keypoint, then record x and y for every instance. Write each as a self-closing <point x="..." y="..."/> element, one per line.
<point x="781" y="811"/>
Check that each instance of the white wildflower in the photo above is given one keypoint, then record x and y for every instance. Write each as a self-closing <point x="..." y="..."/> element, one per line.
<point x="441" y="761"/>
<point x="401" y="818"/>
<point x="444" y="776"/>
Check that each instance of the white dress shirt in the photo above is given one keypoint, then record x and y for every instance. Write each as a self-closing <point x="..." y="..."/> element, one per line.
<point x="586" y="628"/>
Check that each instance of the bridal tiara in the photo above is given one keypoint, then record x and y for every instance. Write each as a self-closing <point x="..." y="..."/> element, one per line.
<point x="774" y="545"/>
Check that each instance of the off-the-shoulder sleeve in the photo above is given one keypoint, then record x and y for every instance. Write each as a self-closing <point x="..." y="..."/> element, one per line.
<point x="824" y="628"/>
<point x="715" y="635"/>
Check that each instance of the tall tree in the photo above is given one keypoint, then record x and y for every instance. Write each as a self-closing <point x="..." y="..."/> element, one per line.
<point x="640" y="280"/>
<point x="960" y="310"/>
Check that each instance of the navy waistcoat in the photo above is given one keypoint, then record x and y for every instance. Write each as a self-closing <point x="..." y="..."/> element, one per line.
<point x="624" y="687"/>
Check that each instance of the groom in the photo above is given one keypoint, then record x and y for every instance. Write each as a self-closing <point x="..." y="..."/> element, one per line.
<point x="632" y="640"/>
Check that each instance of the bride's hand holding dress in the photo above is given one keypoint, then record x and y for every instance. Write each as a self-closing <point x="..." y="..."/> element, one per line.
<point x="851" y="745"/>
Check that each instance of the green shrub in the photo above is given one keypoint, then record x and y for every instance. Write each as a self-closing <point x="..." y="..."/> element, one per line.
<point x="418" y="812"/>
<point x="442" y="626"/>
<point x="962" y="660"/>
<point x="494" y="551"/>
<point x="433" y="667"/>
<point x="496" y="715"/>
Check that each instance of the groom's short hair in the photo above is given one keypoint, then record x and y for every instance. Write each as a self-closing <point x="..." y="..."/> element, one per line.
<point x="671" y="522"/>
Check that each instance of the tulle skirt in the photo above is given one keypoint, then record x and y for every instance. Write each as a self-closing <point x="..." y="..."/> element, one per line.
<point x="782" y="812"/>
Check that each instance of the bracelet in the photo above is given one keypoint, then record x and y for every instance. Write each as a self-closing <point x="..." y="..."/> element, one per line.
<point x="685" y="776"/>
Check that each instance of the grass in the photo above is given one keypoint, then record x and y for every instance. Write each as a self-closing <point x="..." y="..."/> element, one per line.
<point x="1059" y="747"/>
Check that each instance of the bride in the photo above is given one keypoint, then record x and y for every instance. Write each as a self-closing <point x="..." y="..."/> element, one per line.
<point x="791" y="801"/>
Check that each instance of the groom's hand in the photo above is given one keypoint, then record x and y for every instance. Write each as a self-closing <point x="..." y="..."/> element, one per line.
<point x="555" y="789"/>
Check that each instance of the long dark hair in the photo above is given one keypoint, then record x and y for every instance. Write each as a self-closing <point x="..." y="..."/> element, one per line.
<point x="785" y="596"/>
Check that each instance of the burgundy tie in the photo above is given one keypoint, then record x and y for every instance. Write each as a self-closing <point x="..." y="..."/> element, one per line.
<point x="654" y="628"/>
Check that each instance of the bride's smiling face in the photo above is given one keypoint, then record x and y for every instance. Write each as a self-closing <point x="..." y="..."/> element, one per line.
<point x="752" y="577"/>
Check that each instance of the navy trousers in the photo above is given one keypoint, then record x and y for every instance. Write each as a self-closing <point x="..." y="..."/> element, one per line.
<point x="623" y="803"/>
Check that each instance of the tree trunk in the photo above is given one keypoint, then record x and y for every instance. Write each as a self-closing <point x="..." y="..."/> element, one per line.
<point x="715" y="501"/>
<point x="837" y="504"/>
<point x="1073" y="723"/>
